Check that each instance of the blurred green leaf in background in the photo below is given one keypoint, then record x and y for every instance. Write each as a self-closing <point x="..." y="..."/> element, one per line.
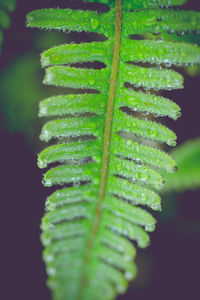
<point x="22" y="89"/>
<point x="187" y="176"/>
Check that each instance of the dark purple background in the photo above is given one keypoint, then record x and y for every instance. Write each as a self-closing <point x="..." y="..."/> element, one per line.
<point x="169" y="269"/>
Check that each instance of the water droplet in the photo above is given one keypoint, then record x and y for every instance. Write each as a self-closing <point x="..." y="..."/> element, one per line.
<point x="121" y="289"/>
<point x="128" y="275"/>
<point x="48" y="258"/>
<point x="156" y="206"/>
<point x="51" y="271"/>
<point x="45" y="136"/>
<point x="41" y="163"/>
<point x="47" y="182"/>
<point x="42" y="111"/>
<point x="150" y="227"/>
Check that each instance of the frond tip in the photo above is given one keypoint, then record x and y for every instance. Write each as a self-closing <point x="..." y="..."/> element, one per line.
<point x="108" y="158"/>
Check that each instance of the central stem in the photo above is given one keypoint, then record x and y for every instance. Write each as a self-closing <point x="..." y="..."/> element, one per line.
<point x="108" y="122"/>
<point x="108" y="125"/>
<point x="110" y="106"/>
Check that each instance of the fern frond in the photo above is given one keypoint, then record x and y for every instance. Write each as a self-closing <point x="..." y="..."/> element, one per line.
<point x="187" y="157"/>
<point x="6" y="6"/>
<point x="111" y="162"/>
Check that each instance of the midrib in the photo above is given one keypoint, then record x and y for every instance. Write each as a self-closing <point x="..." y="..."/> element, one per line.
<point x="107" y="133"/>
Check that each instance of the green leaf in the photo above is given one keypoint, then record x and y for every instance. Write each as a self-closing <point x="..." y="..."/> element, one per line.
<point x="74" y="151"/>
<point x="146" y="129"/>
<point x="158" y="52"/>
<point x="108" y="153"/>
<point x="72" y="20"/>
<point x="76" y="78"/>
<point x="8" y="4"/>
<point x="159" y="20"/>
<point x="143" y="154"/>
<point x="68" y="174"/>
<point x="5" y="7"/>
<point x="71" y="127"/>
<point x="151" y="78"/>
<point x="4" y="19"/>
<point x="71" y="53"/>
<point x="148" y="103"/>
<point x="136" y="172"/>
<point x="187" y="177"/>
<point x="72" y="105"/>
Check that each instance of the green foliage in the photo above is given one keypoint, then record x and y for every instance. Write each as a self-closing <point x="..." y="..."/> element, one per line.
<point x="23" y="73"/>
<point x="6" y="6"/>
<point x="20" y="109"/>
<point x="109" y="164"/>
<point x="187" y="157"/>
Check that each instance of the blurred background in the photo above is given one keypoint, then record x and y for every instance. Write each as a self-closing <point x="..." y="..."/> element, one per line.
<point x="170" y="267"/>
